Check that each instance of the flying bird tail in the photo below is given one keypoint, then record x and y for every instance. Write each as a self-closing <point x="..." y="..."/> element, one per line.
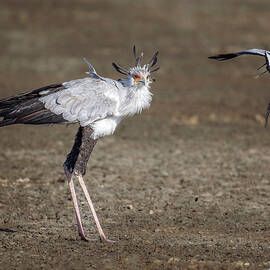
<point x="27" y="109"/>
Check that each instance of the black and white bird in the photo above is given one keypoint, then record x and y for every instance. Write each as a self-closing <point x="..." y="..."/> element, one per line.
<point x="259" y="52"/>
<point x="96" y="103"/>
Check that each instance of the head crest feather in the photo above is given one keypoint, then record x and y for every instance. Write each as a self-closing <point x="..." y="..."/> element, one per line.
<point x="138" y="61"/>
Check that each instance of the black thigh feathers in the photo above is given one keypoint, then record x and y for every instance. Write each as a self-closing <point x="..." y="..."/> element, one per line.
<point x="27" y="109"/>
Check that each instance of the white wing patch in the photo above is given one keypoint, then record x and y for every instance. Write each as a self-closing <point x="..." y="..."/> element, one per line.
<point x="84" y="100"/>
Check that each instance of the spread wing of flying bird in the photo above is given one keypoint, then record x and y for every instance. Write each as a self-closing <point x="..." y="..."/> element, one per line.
<point x="259" y="52"/>
<point x="96" y="103"/>
<point x="227" y="56"/>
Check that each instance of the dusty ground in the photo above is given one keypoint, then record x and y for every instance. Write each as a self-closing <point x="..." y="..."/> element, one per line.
<point x="183" y="186"/>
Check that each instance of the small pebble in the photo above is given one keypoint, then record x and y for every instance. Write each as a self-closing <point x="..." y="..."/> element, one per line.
<point x="23" y="180"/>
<point x="157" y="261"/>
<point x="173" y="260"/>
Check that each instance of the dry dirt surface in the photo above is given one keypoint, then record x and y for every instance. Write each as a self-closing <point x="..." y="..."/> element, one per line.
<point x="185" y="185"/>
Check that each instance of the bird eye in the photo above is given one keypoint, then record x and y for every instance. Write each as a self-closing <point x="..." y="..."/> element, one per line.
<point x="136" y="76"/>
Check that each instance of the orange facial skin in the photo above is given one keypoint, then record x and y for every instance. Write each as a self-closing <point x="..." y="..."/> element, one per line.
<point x="137" y="77"/>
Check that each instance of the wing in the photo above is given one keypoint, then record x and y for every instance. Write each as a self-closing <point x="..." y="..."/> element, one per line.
<point x="84" y="100"/>
<point x="27" y="109"/>
<point x="227" y="56"/>
<point x="43" y="91"/>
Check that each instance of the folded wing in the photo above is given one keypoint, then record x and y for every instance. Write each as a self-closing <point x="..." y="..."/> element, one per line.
<point x="84" y="100"/>
<point x="27" y="109"/>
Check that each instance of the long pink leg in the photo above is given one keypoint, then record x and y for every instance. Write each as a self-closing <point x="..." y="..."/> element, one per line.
<point x="76" y="206"/>
<point x="87" y="196"/>
<point x="77" y="212"/>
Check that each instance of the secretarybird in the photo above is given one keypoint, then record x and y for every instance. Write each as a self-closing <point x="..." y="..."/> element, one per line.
<point x="98" y="104"/>
<point x="258" y="52"/>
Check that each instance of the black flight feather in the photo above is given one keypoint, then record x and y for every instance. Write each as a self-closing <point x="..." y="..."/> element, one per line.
<point x="223" y="57"/>
<point x="27" y="109"/>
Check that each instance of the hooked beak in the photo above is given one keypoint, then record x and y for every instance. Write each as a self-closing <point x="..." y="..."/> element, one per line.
<point x="143" y="81"/>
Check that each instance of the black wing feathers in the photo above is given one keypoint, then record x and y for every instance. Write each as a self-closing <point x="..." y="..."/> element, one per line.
<point x="6" y="102"/>
<point x="223" y="57"/>
<point x="27" y="109"/>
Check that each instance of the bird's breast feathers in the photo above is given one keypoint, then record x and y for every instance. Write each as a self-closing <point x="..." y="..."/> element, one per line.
<point x="136" y="100"/>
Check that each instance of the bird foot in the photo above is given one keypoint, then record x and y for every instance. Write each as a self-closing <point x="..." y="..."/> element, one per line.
<point x="102" y="238"/>
<point x="84" y="238"/>
<point x="107" y="240"/>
